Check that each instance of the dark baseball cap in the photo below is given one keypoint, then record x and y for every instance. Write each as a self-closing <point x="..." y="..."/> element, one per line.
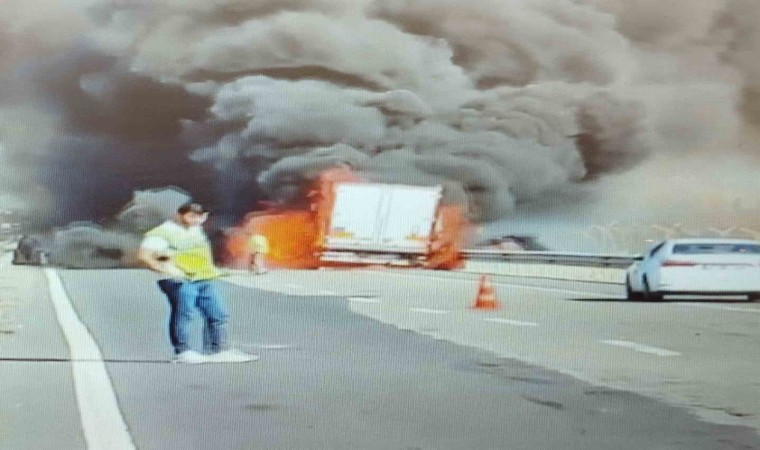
<point x="192" y="207"/>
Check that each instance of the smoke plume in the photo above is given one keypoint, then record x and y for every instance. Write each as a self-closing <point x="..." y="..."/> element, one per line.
<point x="506" y="103"/>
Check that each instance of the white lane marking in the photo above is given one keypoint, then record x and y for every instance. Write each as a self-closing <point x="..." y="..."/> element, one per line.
<point x="429" y="311"/>
<point x="275" y="346"/>
<point x="363" y="300"/>
<point x="295" y="286"/>
<point x="501" y="283"/>
<point x="6" y="260"/>
<point x="268" y="346"/>
<point x="642" y="348"/>
<point x="102" y="423"/>
<point x="326" y="292"/>
<point x="518" y="323"/>
<point x="723" y="308"/>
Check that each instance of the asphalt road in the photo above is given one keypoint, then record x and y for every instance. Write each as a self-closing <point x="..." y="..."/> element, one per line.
<point x="349" y="360"/>
<point x="696" y="353"/>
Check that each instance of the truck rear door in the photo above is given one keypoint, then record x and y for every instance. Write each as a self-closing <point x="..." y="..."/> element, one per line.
<point x="384" y="218"/>
<point x="408" y="217"/>
<point x="355" y="215"/>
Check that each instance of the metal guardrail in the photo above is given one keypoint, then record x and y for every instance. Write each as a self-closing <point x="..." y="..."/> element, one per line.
<point x="548" y="257"/>
<point x="8" y="245"/>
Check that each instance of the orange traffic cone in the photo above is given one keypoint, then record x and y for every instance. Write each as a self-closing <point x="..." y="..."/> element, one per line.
<point x="486" y="298"/>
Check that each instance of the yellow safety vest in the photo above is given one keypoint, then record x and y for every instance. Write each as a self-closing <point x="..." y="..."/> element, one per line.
<point x="190" y="252"/>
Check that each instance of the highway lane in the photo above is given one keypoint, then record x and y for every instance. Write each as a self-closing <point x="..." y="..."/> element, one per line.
<point x="330" y="377"/>
<point x="697" y="353"/>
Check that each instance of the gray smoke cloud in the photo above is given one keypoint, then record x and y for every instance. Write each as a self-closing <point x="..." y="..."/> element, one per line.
<point x="86" y="245"/>
<point x="504" y="102"/>
<point x="151" y="208"/>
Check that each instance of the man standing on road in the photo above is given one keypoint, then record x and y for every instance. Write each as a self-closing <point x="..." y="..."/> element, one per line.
<point x="180" y="251"/>
<point x="259" y="246"/>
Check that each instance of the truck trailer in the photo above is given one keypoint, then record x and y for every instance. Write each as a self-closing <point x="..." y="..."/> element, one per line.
<point x="352" y="222"/>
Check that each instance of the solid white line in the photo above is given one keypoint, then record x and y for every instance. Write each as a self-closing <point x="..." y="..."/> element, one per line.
<point x="295" y="286"/>
<point x="363" y="300"/>
<point x="429" y="311"/>
<point x="723" y="308"/>
<point x="102" y="423"/>
<point x="518" y="323"/>
<point x="642" y="348"/>
<point x="500" y="283"/>
<point x="6" y="260"/>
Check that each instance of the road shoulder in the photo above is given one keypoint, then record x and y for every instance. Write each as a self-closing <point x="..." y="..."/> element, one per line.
<point x="38" y="408"/>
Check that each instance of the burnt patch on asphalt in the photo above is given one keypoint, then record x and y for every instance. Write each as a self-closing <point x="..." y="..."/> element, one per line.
<point x="487" y="364"/>
<point x="739" y="335"/>
<point x="530" y="380"/>
<point x="508" y="369"/>
<point x="549" y="403"/>
<point x="608" y="393"/>
<point x="260" y="407"/>
<point x="739" y="414"/>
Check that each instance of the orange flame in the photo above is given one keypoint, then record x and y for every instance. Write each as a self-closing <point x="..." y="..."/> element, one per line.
<point x="295" y="238"/>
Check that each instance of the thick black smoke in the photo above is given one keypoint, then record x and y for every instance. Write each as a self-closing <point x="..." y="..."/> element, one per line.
<point x="504" y="102"/>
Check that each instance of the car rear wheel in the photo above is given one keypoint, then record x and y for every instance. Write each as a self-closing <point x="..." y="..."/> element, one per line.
<point x="649" y="295"/>
<point x="629" y="292"/>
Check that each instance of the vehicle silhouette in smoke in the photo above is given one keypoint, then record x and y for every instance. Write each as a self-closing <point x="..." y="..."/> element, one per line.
<point x="512" y="243"/>
<point x="31" y="250"/>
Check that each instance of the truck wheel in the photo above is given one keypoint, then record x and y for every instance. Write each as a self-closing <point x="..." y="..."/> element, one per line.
<point x="754" y="297"/>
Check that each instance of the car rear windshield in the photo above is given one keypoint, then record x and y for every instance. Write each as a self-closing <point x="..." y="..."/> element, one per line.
<point x="711" y="249"/>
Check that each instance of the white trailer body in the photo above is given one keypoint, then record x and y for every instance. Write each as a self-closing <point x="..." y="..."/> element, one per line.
<point x="371" y="218"/>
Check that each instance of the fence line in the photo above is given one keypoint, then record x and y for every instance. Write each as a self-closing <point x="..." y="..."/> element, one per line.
<point x="616" y="238"/>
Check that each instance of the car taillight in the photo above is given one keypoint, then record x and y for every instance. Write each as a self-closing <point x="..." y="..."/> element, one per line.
<point x="671" y="263"/>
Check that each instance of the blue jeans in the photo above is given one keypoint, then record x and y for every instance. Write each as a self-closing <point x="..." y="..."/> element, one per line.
<point x="184" y="297"/>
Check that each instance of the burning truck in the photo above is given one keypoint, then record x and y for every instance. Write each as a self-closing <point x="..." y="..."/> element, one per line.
<point x="350" y="221"/>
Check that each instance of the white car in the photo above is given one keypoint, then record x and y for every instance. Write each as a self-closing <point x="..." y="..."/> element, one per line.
<point x="715" y="267"/>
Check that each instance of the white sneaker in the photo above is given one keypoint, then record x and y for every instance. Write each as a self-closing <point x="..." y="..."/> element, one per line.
<point x="232" y="356"/>
<point x="190" y="357"/>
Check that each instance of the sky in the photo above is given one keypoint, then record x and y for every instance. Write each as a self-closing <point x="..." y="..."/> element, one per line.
<point x="536" y="114"/>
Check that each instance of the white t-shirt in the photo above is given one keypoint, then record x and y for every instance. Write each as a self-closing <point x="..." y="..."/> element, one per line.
<point x="159" y="244"/>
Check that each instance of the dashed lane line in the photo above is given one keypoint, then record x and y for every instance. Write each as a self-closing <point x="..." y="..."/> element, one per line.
<point x="536" y="288"/>
<point x="642" y="348"/>
<point x="501" y="283"/>
<point x="363" y="300"/>
<point x="102" y="422"/>
<point x="518" y="323"/>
